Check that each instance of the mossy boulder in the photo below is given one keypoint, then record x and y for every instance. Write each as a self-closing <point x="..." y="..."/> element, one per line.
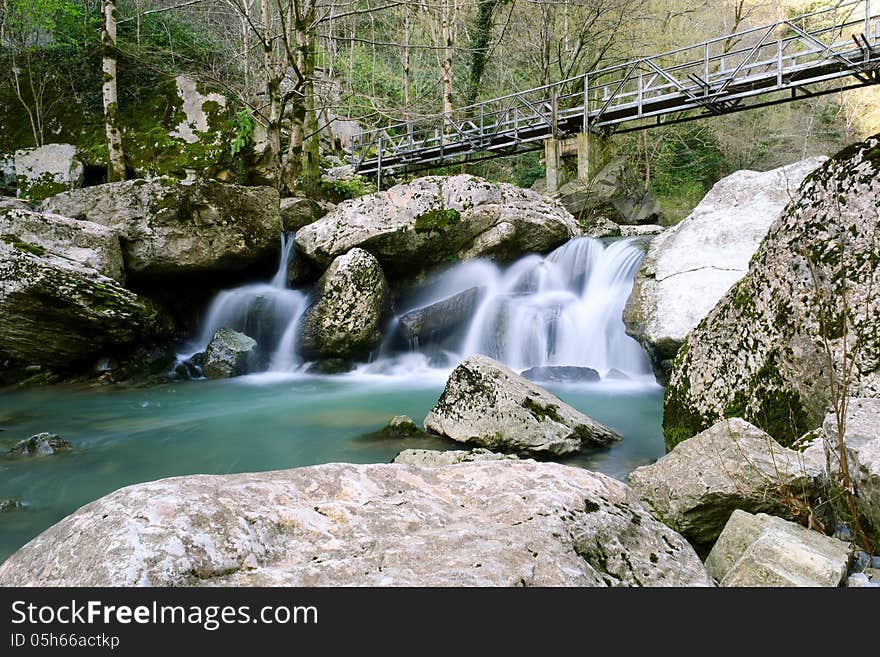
<point x="48" y="170"/>
<point x="761" y="354"/>
<point x="58" y="312"/>
<point x="230" y="353"/>
<point x="169" y="228"/>
<point x="349" y="312"/>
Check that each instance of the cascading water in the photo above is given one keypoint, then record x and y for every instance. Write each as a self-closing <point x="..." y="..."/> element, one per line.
<point x="562" y="309"/>
<point x="267" y="312"/>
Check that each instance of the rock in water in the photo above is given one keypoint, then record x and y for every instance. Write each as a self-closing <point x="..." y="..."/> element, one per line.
<point x="57" y="312"/>
<point x="347" y="317"/>
<point x="731" y="465"/>
<point x="48" y="170"/>
<point x="230" y="353"/>
<point x="401" y="426"/>
<point x="486" y="404"/>
<point x="41" y="444"/>
<point x="434" y="458"/>
<point x="432" y="220"/>
<point x="561" y="374"/>
<point x="759" y="354"/>
<point x="762" y="550"/>
<point x="690" y="267"/>
<point x="170" y="228"/>
<point x="516" y="523"/>
<point x="87" y="243"/>
<point x="438" y="321"/>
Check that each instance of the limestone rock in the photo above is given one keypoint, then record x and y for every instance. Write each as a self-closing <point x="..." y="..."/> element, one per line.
<point x="560" y="374"/>
<point x="347" y="317"/>
<point x="170" y="228"/>
<point x="759" y="354"/>
<point x="490" y="523"/>
<point x="438" y="321"/>
<point x="84" y="242"/>
<point x="432" y="220"/>
<point x="762" y="550"/>
<point x="601" y="226"/>
<point x="402" y="426"/>
<point x="198" y="110"/>
<point x="47" y="170"/>
<point x="486" y="404"/>
<point x="297" y="212"/>
<point x="229" y="353"/>
<point x="433" y="458"/>
<point x="642" y="230"/>
<point x="731" y="465"/>
<point x="691" y="266"/>
<point x="56" y="312"/>
<point x="41" y="444"/>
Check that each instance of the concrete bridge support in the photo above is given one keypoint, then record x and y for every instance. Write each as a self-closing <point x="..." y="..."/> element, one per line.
<point x="593" y="153"/>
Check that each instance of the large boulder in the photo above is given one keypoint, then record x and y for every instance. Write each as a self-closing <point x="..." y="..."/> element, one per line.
<point x="41" y="444"/>
<point x="57" y="312"/>
<point x="690" y="266"/>
<point x="861" y="439"/>
<point x="415" y="226"/>
<point x="297" y="212"/>
<point x="486" y="404"/>
<point x="348" y="314"/>
<point x="170" y="228"/>
<point x="760" y="354"/>
<point x="434" y="458"/>
<point x="438" y="321"/>
<point x="47" y="170"/>
<point x="762" y="550"/>
<point x="490" y="523"/>
<point x="84" y="242"/>
<point x="229" y="353"/>
<point x="731" y="465"/>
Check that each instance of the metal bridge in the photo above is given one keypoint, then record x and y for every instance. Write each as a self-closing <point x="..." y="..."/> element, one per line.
<point x="826" y="51"/>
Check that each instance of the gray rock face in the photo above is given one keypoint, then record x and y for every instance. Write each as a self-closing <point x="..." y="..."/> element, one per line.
<point x="54" y="311"/>
<point x="412" y="227"/>
<point x="516" y="523"/>
<point x="41" y="444"/>
<point x="433" y="458"/>
<point x="347" y="317"/>
<point x="862" y="443"/>
<point x="690" y="267"/>
<point x="12" y="203"/>
<point x="298" y="212"/>
<point x="601" y="226"/>
<point x="195" y="107"/>
<point x="169" y="228"/>
<point x="229" y="353"/>
<point x="762" y="550"/>
<point x="48" y="170"/>
<point x="731" y="465"/>
<point x="438" y="321"/>
<point x="84" y="242"/>
<point x="759" y="354"/>
<point x="486" y="404"/>
<point x="642" y="230"/>
<point x="560" y="374"/>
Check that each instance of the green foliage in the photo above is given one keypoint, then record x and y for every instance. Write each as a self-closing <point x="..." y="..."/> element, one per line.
<point x="337" y="191"/>
<point x="242" y="128"/>
<point x="438" y="219"/>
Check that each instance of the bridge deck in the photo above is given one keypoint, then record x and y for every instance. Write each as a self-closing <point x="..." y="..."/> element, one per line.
<point x="821" y="52"/>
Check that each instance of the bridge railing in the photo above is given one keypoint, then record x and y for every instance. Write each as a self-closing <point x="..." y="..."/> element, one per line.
<point x="710" y="76"/>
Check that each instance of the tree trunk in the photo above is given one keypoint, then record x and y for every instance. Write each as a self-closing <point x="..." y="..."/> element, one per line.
<point x="306" y="42"/>
<point x="116" y="156"/>
<point x="273" y="95"/>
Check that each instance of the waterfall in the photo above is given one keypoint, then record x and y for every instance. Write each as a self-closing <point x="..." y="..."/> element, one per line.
<point x="267" y="312"/>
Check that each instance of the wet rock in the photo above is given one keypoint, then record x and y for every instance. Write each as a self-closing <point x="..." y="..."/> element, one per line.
<point x="517" y="523"/>
<point x="438" y="321"/>
<point x="402" y="426"/>
<point x="229" y="353"/>
<point x="486" y="404"/>
<point x="298" y="212"/>
<point x="41" y="444"/>
<point x="561" y="374"/>
<point x="9" y="504"/>
<point x="762" y="550"/>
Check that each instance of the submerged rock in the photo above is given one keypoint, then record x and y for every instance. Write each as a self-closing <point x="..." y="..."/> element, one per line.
<point x="433" y="458"/>
<point x="402" y="426"/>
<point x="170" y="228"/>
<point x="9" y="504"/>
<point x="438" y="321"/>
<point x="41" y="444"/>
<point x="762" y="550"/>
<point x="345" y="321"/>
<point x="47" y="170"/>
<point x="690" y="267"/>
<point x="561" y="374"/>
<point x="432" y="220"/>
<point x="486" y="404"/>
<point x="516" y="523"/>
<point x="229" y="353"/>
<point x="84" y="242"/>
<point x="759" y="354"/>
<point x="57" y="312"/>
<point x="731" y="465"/>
